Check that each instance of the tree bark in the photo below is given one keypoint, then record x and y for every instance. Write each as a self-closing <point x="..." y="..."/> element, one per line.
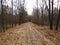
<point x="51" y="16"/>
<point x="12" y="13"/>
<point x="2" y="16"/>
<point x="57" y="23"/>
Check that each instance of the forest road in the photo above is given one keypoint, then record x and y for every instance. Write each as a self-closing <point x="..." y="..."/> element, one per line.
<point x="26" y="35"/>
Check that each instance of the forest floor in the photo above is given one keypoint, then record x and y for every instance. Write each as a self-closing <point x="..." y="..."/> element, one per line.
<point x="30" y="34"/>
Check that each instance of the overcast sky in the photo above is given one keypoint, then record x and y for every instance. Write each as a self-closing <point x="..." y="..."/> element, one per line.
<point x="29" y="4"/>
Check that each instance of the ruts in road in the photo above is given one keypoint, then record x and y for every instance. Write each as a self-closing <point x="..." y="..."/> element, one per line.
<point x="26" y="34"/>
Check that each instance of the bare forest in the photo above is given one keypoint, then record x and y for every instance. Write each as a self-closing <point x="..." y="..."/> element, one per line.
<point x="29" y="22"/>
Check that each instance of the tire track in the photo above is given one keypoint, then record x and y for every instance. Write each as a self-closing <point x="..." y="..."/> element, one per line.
<point x="26" y="35"/>
<point x="45" y="40"/>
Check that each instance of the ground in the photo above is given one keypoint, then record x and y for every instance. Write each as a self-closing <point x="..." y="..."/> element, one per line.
<point x="30" y="34"/>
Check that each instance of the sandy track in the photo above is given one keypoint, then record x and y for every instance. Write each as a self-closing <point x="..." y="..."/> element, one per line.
<point x="26" y="34"/>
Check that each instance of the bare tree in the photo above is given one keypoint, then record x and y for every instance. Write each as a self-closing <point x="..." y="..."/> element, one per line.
<point x="2" y="16"/>
<point x="12" y="13"/>
<point x="34" y="13"/>
<point x="51" y="15"/>
<point x="57" y="23"/>
<point x="37" y="13"/>
<point x="58" y="20"/>
<point x="21" y="11"/>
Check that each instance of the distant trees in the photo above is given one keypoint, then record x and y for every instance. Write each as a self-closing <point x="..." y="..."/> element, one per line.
<point x="41" y="15"/>
<point x="46" y="14"/>
<point x="57" y="23"/>
<point x="7" y="17"/>
<point x="35" y="17"/>
<point x="58" y="18"/>
<point x="22" y="15"/>
<point x="2" y="16"/>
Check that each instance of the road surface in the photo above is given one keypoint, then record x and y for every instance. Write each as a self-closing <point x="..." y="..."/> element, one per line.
<point x="26" y="34"/>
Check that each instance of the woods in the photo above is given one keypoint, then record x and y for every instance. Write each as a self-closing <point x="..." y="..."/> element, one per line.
<point x="29" y="22"/>
<point x="43" y="14"/>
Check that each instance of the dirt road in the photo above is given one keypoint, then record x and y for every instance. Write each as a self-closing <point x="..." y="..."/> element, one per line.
<point x="26" y="34"/>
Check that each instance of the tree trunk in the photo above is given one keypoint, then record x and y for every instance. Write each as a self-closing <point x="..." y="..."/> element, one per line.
<point x="42" y="22"/>
<point x="51" y="22"/>
<point x="58" y="20"/>
<point x="2" y="16"/>
<point x="12" y="13"/>
<point x="51" y="16"/>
